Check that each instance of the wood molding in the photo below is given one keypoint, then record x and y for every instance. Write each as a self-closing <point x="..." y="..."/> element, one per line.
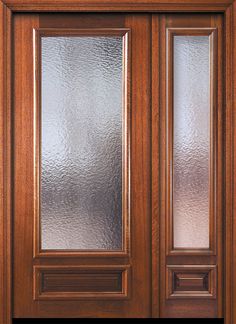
<point x="5" y="166"/>
<point x="232" y="301"/>
<point x="230" y="163"/>
<point x="155" y="168"/>
<point x="122" y="5"/>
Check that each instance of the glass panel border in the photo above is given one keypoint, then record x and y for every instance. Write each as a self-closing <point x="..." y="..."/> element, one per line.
<point x="126" y="233"/>
<point x="213" y="177"/>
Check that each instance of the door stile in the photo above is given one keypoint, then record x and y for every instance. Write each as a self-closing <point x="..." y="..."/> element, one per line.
<point x="156" y="261"/>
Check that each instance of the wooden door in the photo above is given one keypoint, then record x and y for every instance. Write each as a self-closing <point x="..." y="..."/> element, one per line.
<point x="107" y="275"/>
<point x="118" y="166"/>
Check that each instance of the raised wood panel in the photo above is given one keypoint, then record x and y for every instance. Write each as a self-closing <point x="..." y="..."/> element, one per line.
<point x="71" y="283"/>
<point x="191" y="281"/>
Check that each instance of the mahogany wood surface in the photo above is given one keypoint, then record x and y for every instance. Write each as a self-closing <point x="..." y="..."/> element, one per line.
<point x="5" y="166"/>
<point x="175" y="307"/>
<point x="122" y="5"/>
<point x="226" y="288"/>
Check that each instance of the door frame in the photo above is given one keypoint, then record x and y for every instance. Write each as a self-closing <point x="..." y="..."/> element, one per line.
<point x="228" y="8"/>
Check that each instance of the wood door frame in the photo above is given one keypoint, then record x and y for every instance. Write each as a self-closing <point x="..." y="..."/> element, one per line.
<point x="228" y="8"/>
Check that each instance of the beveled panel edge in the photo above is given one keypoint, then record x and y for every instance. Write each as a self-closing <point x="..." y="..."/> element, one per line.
<point x="208" y="270"/>
<point x="126" y="130"/>
<point x="38" y="294"/>
<point x="170" y="33"/>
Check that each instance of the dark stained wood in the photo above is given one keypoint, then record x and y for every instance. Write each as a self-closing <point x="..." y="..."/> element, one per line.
<point x="47" y="32"/>
<point x="23" y="185"/>
<point x="137" y="140"/>
<point x="60" y="20"/>
<point x="229" y="58"/>
<point x="232" y="49"/>
<point x="141" y="159"/>
<point x="80" y="282"/>
<point x="155" y="167"/>
<point x="191" y="281"/>
<point x="230" y="160"/>
<point x="162" y="143"/>
<point x="5" y="167"/>
<point x="219" y="167"/>
<point x="188" y="307"/>
<point x="122" y="5"/>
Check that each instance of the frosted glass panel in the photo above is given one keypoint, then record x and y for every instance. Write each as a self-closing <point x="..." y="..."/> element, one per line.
<point x="191" y="141"/>
<point x="81" y="150"/>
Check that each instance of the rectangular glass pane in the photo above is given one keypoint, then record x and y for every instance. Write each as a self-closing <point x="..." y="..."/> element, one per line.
<point x="191" y="141"/>
<point x="81" y="142"/>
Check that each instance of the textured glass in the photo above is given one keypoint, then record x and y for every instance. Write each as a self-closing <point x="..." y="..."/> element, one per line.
<point x="191" y="141"/>
<point x="81" y="152"/>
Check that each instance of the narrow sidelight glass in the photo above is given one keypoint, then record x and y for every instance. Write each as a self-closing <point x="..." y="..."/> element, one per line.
<point x="81" y="142"/>
<point x="191" y="141"/>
